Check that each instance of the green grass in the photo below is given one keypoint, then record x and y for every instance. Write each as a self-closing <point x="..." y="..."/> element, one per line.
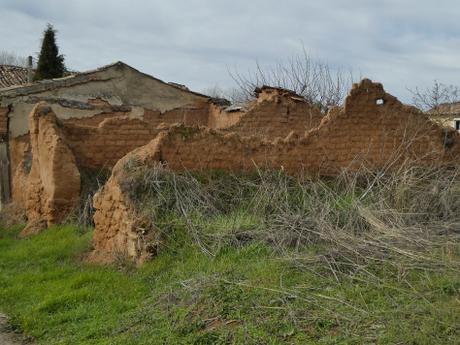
<point x="244" y="294"/>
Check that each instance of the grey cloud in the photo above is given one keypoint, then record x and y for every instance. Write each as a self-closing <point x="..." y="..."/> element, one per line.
<point x="402" y="44"/>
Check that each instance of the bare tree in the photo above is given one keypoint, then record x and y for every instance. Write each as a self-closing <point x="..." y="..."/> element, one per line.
<point x="432" y="98"/>
<point x="216" y="92"/>
<point x="312" y="79"/>
<point x="10" y="58"/>
<point x="234" y="95"/>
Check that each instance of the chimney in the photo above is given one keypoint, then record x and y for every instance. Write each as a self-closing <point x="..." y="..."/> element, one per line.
<point x="30" y="73"/>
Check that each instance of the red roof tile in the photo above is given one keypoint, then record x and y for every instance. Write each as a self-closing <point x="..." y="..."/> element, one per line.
<point x="12" y="75"/>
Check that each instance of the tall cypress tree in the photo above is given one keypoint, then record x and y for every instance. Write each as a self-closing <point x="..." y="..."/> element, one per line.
<point x="50" y="63"/>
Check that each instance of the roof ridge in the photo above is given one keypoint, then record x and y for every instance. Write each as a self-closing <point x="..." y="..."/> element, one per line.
<point x="24" y="87"/>
<point x="14" y="66"/>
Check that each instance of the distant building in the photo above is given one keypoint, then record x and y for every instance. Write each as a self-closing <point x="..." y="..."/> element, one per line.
<point x="447" y="114"/>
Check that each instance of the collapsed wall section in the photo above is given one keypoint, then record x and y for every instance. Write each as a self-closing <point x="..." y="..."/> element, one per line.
<point x="373" y="129"/>
<point x="131" y="103"/>
<point x="376" y="128"/>
<point x="53" y="184"/>
<point x="102" y="144"/>
<point x="274" y="113"/>
<point x="121" y="231"/>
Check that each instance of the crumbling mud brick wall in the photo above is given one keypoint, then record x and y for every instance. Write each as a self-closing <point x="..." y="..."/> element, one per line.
<point x="220" y="117"/>
<point x="121" y="231"/>
<point x="103" y="114"/>
<point x="106" y="113"/>
<point x="376" y="128"/>
<point x="53" y="184"/>
<point x="373" y="128"/>
<point x="101" y="143"/>
<point x="196" y="115"/>
<point x="20" y="165"/>
<point x="95" y="142"/>
<point x="274" y="113"/>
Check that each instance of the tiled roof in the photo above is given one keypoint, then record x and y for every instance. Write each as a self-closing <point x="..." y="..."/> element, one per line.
<point x="12" y="75"/>
<point x="73" y="78"/>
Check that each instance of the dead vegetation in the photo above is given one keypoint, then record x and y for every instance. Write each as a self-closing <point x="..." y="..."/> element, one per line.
<point x="437" y="98"/>
<point x="377" y="229"/>
<point x="316" y="80"/>
<point x="408" y="217"/>
<point x="91" y="181"/>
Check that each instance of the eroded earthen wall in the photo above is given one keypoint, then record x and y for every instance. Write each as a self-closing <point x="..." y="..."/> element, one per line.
<point x="122" y="232"/>
<point x="103" y="143"/>
<point x="373" y="129"/>
<point x="100" y="131"/>
<point x="83" y="102"/>
<point x="220" y="118"/>
<point x="53" y="183"/>
<point x="275" y="113"/>
<point x="101" y="140"/>
<point x="20" y="165"/>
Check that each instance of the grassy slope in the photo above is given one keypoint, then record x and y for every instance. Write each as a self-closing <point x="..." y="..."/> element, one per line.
<point x="243" y="295"/>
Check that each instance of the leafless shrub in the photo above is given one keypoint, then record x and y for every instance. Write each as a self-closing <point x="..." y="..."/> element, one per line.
<point x="432" y="98"/>
<point x="317" y="81"/>
<point x="404" y="216"/>
<point x="234" y="95"/>
<point x="91" y="181"/>
<point x="346" y="228"/>
<point x="9" y="58"/>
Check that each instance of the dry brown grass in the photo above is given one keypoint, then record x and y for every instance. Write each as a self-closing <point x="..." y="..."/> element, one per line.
<point x="408" y="217"/>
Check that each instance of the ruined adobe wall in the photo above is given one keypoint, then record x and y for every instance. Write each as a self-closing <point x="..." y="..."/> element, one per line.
<point x="275" y="113"/>
<point x="103" y="115"/>
<point x="53" y="184"/>
<point x="102" y="143"/>
<point x="373" y="128"/>
<point x="221" y="118"/>
<point x="108" y="113"/>
<point x="20" y="165"/>
<point x="120" y="230"/>
<point x="376" y="128"/>
<point x="194" y="115"/>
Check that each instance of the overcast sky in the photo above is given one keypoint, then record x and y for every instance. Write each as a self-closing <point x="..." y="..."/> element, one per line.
<point x="401" y="43"/>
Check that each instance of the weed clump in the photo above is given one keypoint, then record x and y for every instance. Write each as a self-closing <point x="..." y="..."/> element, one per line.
<point x="91" y="181"/>
<point x="404" y="217"/>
